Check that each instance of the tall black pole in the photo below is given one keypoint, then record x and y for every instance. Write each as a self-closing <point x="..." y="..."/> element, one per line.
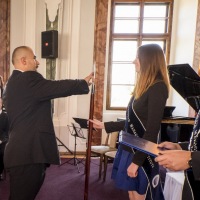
<point x="88" y="153"/>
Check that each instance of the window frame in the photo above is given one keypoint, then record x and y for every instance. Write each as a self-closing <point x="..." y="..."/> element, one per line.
<point x="139" y="37"/>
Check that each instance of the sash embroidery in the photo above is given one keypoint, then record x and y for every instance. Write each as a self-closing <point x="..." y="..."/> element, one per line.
<point x="133" y="123"/>
<point x="134" y="126"/>
<point x="194" y="144"/>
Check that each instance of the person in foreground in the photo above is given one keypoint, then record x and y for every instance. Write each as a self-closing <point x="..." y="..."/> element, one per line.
<point x="134" y="171"/>
<point x="176" y="159"/>
<point x="32" y="142"/>
<point x="4" y="126"/>
<point x="185" y="156"/>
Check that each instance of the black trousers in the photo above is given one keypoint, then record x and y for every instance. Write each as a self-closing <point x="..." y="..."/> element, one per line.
<point x="194" y="184"/>
<point x="26" y="181"/>
<point x="2" y="147"/>
<point x="1" y="162"/>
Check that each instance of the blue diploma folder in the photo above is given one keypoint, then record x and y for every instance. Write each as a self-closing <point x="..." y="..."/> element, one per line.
<point x="138" y="143"/>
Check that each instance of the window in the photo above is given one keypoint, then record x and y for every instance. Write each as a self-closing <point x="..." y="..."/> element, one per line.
<point x="133" y="23"/>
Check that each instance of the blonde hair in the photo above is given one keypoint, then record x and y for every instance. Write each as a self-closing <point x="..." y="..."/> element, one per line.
<point x="153" y="68"/>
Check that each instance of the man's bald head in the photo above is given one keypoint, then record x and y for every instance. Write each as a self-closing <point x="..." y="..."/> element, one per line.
<point x="20" y="52"/>
<point x="24" y="59"/>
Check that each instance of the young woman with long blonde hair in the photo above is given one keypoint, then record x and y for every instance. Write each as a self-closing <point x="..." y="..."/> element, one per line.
<point x="133" y="170"/>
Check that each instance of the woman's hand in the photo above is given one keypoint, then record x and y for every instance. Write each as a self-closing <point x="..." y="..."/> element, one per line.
<point x="132" y="170"/>
<point x="97" y="124"/>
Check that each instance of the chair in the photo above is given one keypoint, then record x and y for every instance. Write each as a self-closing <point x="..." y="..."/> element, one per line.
<point x="108" y="156"/>
<point x="100" y="150"/>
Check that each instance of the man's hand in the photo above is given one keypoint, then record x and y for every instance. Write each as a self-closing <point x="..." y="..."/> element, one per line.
<point x="89" y="79"/>
<point x="174" y="160"/>
<point x="132" y="170"/>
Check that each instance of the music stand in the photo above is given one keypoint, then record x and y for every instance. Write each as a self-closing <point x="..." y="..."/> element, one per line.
<point x="75" y="131"/>
<point x="62" y="144"/>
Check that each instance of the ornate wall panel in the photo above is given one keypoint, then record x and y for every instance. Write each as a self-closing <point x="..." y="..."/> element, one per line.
<point x="100" y="58"/>
<point x="4" y="39"/>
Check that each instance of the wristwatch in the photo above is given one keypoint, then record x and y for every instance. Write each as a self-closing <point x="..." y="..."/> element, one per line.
<point x="190" y="162"/>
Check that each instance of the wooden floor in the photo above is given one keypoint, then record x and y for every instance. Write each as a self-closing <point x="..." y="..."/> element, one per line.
<point x="78" y="155"/>
<point x="68" y="155"/>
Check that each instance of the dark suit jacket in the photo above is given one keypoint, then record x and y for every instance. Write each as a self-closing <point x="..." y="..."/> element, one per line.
<point x="195" y="160"/>
<point x="27" y="99"/>
<point x="4" y="126"/>
<point x="196" y="164"/>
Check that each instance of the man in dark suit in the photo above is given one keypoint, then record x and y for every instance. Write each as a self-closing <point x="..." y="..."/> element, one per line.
<point x="4" y="126"/>
<point x="32" y="143"/>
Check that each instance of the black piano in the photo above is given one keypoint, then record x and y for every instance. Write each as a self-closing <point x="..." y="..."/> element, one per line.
<point x="186" y="82"/>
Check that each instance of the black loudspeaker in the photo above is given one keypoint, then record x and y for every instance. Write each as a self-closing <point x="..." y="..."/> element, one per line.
<point x="50" y="44"/>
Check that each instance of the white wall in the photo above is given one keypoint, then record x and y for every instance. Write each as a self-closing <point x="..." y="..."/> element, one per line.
<point x="76" y="33"/>
<point x="182" y="45"/>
